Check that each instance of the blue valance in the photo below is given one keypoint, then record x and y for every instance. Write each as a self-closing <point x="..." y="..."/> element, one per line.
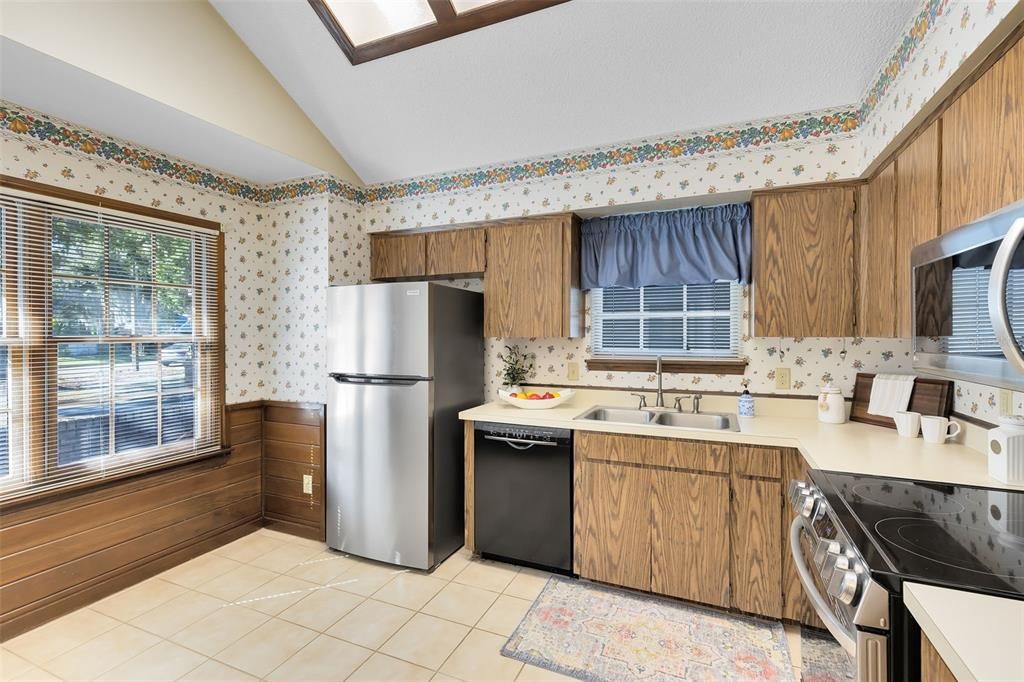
<point x="689" y="246"/>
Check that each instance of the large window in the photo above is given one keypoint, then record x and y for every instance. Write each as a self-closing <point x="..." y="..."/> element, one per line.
<point x="111" y="354"/>
<point x="697" y="320"/>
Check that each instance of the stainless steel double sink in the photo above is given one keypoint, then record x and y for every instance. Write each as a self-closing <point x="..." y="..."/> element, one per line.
<point x="717" y="421"/>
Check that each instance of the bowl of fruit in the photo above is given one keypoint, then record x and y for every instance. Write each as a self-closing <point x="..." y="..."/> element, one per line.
<point x="540" y="399"/>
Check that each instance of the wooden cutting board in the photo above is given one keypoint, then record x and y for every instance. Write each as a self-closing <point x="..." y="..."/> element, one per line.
<point x="929" y="397"/>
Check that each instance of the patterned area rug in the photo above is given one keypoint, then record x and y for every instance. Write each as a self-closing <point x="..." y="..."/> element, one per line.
<point x="593" y="632"/>
<point x="823" y="660"/>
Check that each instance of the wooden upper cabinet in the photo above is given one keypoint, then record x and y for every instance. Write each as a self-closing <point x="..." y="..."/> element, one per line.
<point x="455" y="252"/>
<point x="876" y="255"/>
<point x="803" y="262"/>
<point x="983" y="144"/>
<point x="531" y="287"/>
<point x="917" y="212"/>
<point x="397" y="256"/>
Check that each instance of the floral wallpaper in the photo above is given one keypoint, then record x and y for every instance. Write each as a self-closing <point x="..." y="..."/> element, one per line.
<point x="936" y="43"/>
<point x="285" y="243"/>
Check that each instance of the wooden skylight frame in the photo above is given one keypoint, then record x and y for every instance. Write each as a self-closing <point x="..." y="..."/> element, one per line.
<point x="448" y="23"/>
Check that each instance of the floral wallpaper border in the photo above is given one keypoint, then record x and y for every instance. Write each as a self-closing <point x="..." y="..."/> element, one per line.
<point x="41" y="127"/>
<point x="922" y="24"/>
<point x="811" y="125"/>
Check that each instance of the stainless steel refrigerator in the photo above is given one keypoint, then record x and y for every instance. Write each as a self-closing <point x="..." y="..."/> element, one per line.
<point x="403" y="359"/>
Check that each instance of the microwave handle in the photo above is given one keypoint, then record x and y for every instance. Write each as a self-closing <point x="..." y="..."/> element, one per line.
<point x="997" y="295"/>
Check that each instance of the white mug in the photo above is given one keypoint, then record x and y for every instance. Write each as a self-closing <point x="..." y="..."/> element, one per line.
<point x="908" y="424"/>
<point x="936" y="429"/>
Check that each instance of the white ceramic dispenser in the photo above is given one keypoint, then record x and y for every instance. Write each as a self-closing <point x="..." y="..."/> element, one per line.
<point x="1006" y="450"/>
<point x="831" y="406"/>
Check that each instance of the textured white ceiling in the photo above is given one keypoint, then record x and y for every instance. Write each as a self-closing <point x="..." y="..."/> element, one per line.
<point x="41" y="82"/>
<point x="582" y="74"/>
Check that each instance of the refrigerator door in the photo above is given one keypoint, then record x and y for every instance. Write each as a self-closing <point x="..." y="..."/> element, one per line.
<point x="379" y="329"/>
<point x="378" y="468"/>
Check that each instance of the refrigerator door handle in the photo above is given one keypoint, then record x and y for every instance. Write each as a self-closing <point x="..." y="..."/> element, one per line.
<point x="379" y="380"/>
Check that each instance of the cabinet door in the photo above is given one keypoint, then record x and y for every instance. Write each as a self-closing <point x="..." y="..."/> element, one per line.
<point x="933" y="668"/>
<point x="795" y="604"/>
<point x="983" y="144"/>
<point x="876" y="256"/>
<point x="690" y="538"/>
<point x="917" y="213"/>
<point x="803" y="262"/>
<point x="524" y="290"/>
<point x="756" y="544"/>
<point x="455" y="252"/>
<point x="394" y="257"/>
<point x="614" y="524"/>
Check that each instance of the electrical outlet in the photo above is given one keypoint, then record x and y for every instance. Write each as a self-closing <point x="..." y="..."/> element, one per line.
<point x="782" y="378"/>
<point x="307" y="484"/>
<point x="572" y="371"/>
<point x="1005" y="402"/>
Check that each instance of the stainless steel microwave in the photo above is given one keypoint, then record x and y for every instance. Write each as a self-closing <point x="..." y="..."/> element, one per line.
<point x="968" y="301"/>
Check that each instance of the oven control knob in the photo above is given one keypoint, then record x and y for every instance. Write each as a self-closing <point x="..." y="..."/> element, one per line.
<point x="844" y="585"/>
<point x="796" y="491"/>
<point x="826" y="549"/>
<point x="808" y="504"/>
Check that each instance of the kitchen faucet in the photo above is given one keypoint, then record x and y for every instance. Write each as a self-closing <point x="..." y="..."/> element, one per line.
<point x="695" y="399"/>
<point x="660" y="399"/>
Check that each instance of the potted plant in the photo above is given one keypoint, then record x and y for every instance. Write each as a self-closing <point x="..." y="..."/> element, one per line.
<point x="518" y="365"/>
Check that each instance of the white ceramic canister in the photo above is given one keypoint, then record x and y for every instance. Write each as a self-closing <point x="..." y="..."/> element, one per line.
<point x="831" y="406"/>
<point x="1006" y="450"/>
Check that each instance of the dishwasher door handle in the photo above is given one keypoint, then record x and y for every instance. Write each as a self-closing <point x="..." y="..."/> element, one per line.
<point x="520" y="443"/>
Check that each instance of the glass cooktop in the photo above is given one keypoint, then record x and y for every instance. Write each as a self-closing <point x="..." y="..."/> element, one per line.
<point x="970" y="538"/>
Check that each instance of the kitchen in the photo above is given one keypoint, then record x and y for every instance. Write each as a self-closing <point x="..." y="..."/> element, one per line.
<point x="282" y="346"/>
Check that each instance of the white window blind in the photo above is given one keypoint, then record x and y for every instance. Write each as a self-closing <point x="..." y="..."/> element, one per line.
<point x="111" y="356"/>
<point x="972" y="326"/>
<point x="696" y="320"/>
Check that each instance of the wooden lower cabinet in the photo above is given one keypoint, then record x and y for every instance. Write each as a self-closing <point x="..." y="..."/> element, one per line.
<point x="690" y="536"/>
<point x="614" y="531"/>
<point x="756" y="538"/>
<point x="795" y="604"/>
<point x="933" y="668"/>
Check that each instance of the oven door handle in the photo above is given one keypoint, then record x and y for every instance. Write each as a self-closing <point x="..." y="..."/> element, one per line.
<point x="821" y="607"/>
<point x="997" y="284"/>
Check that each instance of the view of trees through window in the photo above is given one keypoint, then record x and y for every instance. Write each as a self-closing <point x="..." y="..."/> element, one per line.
<point x="111" y="283"/>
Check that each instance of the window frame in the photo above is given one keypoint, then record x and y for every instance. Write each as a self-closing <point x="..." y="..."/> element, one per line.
<point x="447" y="23"/>
<point x="610" y="357"/>
<point x="37" y="344"/>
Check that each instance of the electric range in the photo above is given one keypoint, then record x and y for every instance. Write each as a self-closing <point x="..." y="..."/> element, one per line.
<point x="855" y="539"/>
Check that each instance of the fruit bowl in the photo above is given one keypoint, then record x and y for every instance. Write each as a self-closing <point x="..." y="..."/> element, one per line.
<point x="563" y="394"/>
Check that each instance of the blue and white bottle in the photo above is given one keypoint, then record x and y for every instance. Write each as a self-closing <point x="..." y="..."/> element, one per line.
<point x="746" y="404"/>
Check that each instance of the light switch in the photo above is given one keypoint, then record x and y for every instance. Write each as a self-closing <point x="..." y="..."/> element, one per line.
<point x="307" y="484"/>
<point x="572" y="371"/>
<point x="782" y="378"/>
<point x="1005" y="402"/>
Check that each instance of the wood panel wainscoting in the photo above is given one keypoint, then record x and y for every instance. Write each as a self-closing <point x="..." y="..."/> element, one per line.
<point x="62" y="552"/>
<point x="293" y="446"/>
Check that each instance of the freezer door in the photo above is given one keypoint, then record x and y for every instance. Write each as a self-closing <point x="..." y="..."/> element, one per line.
<point x="379" y="329"/>
<point x="378" y="468"/>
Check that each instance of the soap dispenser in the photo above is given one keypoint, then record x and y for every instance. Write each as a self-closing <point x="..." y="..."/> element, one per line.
<point x="746" y="404"/>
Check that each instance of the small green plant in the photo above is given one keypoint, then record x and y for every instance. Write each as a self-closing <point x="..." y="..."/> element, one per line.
<point x="518" y="365"/>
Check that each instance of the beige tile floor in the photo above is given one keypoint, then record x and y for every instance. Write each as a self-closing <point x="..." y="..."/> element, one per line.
<point x="274" y="607"/>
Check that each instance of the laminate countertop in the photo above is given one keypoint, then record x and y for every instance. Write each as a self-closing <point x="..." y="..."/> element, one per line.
<point x="851" y="448"/>
<point x="979" y="637"/>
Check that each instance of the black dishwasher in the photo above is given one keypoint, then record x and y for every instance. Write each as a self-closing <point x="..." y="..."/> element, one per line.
<point x="523" y="495"/>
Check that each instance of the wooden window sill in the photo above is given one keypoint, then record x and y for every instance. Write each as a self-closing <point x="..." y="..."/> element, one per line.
<point x="671" y="366"/>
<point x="31" y="496"/>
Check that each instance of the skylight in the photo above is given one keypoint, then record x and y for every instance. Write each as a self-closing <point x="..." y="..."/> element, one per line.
<point x="371" y="29"/>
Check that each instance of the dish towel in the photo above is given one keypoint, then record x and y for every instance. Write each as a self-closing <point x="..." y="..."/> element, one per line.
<point x="890" y="393"/>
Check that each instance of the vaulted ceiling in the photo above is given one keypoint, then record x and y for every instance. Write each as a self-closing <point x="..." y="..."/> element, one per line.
<point x="581" y="74"/>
